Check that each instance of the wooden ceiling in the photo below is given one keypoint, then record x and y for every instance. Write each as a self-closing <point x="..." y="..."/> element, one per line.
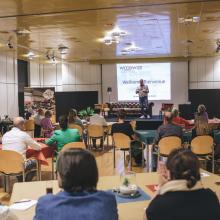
<point x="151" y="25"/>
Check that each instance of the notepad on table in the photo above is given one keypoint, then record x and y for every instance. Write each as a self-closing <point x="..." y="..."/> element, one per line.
<point x="23" y="204"/>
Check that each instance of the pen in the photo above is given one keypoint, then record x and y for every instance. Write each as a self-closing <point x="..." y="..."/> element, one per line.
<point x="22" y="201"/>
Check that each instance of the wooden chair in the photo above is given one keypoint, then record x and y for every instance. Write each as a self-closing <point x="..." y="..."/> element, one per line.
<point x="167" y="144"/>
<point x="203" y="146"/>
<point x="78" y="127"/>
<point x="121" y="142"/>
<point x="29" y="127"/>
<point x="74" y="145"/>
<point x="95" y="132"/>
<point x="13" y="164"/>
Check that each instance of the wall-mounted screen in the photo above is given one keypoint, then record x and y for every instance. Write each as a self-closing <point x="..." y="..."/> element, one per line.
<point x="155" y="75"/>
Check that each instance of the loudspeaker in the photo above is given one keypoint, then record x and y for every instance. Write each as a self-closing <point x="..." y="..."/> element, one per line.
<point x="109" y="89"/>
<point x="186" y="111"/>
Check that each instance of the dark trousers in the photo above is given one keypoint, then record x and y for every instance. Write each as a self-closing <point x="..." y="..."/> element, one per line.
<point x="29" y="165"/>
<point x="37" y="131"/>
<point x="143" y="104"/>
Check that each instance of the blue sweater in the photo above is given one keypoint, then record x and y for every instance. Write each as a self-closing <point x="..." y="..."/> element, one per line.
<point x="99" y="205"/>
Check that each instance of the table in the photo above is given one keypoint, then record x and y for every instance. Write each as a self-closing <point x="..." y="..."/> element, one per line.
<point x="127" y="211"/>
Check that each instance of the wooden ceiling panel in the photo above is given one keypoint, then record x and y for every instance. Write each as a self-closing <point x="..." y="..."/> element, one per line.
<point x="152" y="26"/>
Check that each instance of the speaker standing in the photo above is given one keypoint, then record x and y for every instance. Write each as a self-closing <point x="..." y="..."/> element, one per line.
<point x="143" y="91"/>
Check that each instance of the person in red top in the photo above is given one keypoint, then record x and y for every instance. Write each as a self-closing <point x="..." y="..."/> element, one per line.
<point x="179" y="120"/>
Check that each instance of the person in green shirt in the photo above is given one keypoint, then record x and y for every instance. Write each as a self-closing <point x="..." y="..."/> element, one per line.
<point x="63" y="136"/>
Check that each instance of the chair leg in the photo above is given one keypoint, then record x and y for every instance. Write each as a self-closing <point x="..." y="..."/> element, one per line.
<point x="124" y="157"/>
<point x="130" y="168"/>
<point x="114" y="156"/>
<point x="142" y="149"/>
<point x="5" y="183"/>
<point x="52" y="168"/>
<point x="213" y="160"/>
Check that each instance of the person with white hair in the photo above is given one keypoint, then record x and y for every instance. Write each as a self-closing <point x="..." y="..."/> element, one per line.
<point x="18" y="140"/>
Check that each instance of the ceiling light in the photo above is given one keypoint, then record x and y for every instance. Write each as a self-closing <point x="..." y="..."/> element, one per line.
<point x="31" y="55"/>
<point x="63" y="49"/>
<point x="9" y="44"/>
<point x="187" y="20"/>
<point x="22" y="31"/>
<point x="107" y="41"/>
<point x="218" y="45"/>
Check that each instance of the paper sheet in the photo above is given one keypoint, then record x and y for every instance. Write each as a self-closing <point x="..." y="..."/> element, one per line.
<point x="23" y="205"/>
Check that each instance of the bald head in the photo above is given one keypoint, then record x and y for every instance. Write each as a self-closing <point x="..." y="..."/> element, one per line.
<point x="168" y="116"/>
<point x="18" y="122"/>
<point x="141" y="82"/>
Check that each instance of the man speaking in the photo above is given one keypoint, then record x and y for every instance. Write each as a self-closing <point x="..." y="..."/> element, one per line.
<point x="143" y="91"/>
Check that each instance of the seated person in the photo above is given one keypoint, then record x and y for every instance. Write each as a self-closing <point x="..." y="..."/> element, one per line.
<point x="168" y="129"/>
<point x="63" y="136"/>
<point x="47" y="125"/>
<point x="181" y="194"/>
<point x="97" y="119"/>
<point x="18" y="140"/>
<point x="177" y="120"/>
<point x="73" y="118"/>
<point x="78" y="177"/>
<point x="201" y="122"/>
<point x="126" y="128"/>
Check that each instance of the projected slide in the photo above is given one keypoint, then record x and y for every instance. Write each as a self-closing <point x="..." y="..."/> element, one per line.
<point x="155" y="75"/>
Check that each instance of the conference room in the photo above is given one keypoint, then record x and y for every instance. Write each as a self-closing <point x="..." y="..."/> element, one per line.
<point x="109" y="109"/>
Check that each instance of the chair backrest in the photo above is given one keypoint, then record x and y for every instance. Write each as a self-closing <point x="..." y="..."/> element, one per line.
<point x="167" y="144"/>
<point x="202" y="145"/>
<point x="74" y="145"/>
<point x="11" y="162"/>
<point x="121" y="140"/>
<point x="29" y="125"/>
<point x="75" y="126"/>
<point x="95" y="131"/>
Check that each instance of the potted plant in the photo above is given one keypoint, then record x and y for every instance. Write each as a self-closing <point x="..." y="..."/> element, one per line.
<point x="86" y="113"/>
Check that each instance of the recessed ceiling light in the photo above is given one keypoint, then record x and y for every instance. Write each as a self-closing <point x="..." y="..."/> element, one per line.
<point x="187" y="20"/>
<point x="22" y="31"/>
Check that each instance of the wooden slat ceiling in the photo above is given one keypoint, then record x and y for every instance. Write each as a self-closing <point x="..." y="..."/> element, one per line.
<point x="151" y="25"/>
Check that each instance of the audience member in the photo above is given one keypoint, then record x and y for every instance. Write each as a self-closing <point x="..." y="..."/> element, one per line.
<point x="177" y="120"/>
<point x="201" y="122"/>
<point x="63" y="136"/>
<point x="181" y="194"/>
<point x="78" y="176"/>
<point x="73" y="118"/>
<point x="18" y="140"/>
<point x="126" y="128"/>
<point x="168" y="129"/>
<point x="47" y="125"/>
<point x="37" y="120"/>
<point x="97" y="119"/>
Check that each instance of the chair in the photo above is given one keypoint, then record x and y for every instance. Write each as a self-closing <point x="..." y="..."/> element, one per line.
<point x="74" y="145"/>
<point x="95" y="132"/>
<point x="29" y="127"/>
<point x="78" y="127"/>
<point x="167" y="144"/>
<point x="203" y="146"/>
<point x="12" y="164"/>
<point x="121" y="142"/>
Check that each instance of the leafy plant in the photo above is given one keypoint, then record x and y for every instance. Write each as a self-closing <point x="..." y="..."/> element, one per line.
<point x="86" y="112"/>
<point x="126" y="182"/>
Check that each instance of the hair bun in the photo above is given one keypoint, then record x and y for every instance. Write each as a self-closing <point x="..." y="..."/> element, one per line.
<point x="191" y="180"/>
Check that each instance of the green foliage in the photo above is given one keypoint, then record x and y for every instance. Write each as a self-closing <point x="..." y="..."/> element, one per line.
<point x="86" y="112"/>
<point x="126" y="182"/>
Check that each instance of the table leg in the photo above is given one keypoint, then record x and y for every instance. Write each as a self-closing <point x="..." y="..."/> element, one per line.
<point x="150" y="149"/>
<point x="39" y="170"/>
